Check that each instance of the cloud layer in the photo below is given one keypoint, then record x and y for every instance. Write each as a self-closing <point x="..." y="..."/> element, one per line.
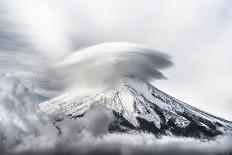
<point x="25" y="130"/>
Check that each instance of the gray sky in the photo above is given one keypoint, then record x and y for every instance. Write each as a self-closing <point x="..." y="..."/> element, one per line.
<point x="197" y="35"/>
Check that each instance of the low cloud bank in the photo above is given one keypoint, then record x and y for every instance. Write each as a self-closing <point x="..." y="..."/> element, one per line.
<point x="25" y="130"/>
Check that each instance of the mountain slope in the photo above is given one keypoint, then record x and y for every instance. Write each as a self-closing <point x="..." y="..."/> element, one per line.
<point x="137" y="105"/>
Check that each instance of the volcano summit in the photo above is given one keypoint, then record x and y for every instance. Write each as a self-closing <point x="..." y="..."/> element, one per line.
<point x="138" y="106"/>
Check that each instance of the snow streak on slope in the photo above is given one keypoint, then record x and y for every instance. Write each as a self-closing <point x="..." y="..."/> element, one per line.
<point x="137" y="105"/>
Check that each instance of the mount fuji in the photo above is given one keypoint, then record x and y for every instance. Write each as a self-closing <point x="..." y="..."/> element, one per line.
<point x="138" y="106"/>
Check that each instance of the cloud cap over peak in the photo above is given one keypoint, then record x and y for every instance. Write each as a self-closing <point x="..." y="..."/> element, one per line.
<point x="105" y="64"/>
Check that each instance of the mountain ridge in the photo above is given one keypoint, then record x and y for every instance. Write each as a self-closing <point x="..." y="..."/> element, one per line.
<point x="137" y="105"/>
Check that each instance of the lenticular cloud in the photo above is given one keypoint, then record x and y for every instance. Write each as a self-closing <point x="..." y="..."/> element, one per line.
<point x="105" y="64"/>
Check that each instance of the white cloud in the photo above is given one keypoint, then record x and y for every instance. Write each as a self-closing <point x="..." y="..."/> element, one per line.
<point x="25" y="130"/>
<point x="104" y="65"/>
<point x="196" y="33"/>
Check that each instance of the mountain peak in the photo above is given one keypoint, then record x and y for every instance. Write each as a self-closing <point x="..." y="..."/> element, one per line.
<point x="137" y="105"/>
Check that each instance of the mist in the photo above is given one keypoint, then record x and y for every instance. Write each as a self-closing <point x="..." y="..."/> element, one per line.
<point x="50" y="47"/>
<point x="26" y="130"/>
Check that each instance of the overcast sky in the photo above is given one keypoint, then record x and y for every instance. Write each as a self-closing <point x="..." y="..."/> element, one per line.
<point x="197" y="35"/>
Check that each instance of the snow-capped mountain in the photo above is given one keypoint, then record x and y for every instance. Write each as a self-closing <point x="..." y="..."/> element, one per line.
<point x="137" y="105"/>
